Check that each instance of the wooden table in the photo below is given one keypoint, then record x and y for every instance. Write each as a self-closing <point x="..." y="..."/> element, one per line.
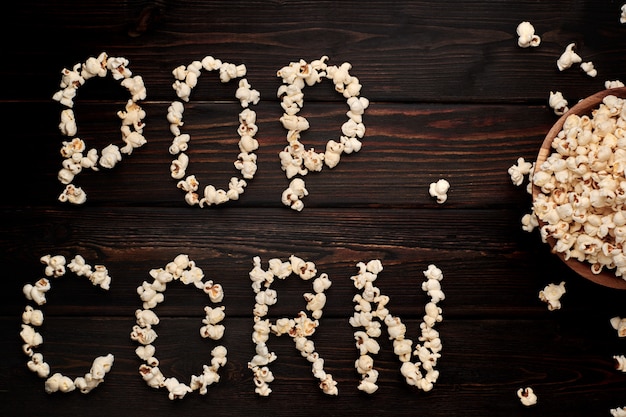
<point x="451" y="96"/>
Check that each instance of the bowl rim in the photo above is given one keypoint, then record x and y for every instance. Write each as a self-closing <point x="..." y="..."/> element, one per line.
<point x="606" y="277"/>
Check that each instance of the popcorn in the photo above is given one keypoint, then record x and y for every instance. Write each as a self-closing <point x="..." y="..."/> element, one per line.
<point x="79" y="266"/>
<point x="427" y="353"/>
<point x="95" y="67"/>
<point x="551" y="294"/>
<point x="618" y="412"/>
<point x="526" y="35"/>
<point x="582" y="189"/>
<point x="620" y="362"/>
<point x="246" y="94"/>
<point x="439" y="190"/>
<point x="68" y="123"/>
<point x="619" y="324"/>
<point x="119" y="67"/>
<point x="59" y="382"/>
<point x="110" y="156"/>
<point x="132" y="140"/>
<point x="31" y="339"/>
<point x="558" y="103"/>
<point x="37" y="292"/>
<point x="568" y="58"/>
<point x="32" y="316"/>
<point x="519" y="171"/>
<point x="295" y="159"/>
<point x="185" y="270"/>
<point x="55" y="266"/>
<point x="294" y="193"/>
<point x="152" y="375"/>
<point x="100" y="367"/>
<point x="246" y="163"/>
<point x="177" y="390"/>
<point x="613" y="84"/>
<point x="73" y="194"/>
<point x="589" y="68"/>
<point x="37" y="365"/>
<point x="527" y="396"/>
<point x="300" y="328"/>
<point x="131" y="129"/>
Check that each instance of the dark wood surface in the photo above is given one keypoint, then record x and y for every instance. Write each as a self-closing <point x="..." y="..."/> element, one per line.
<point x="451" y="96"/>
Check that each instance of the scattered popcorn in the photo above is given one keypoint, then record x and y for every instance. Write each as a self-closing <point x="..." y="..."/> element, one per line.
<point x="519" y="171"/>
<point x="613" y="84"/>
<point x="292" y="196"/>
<point x="620" y="362"/>
<point x="526" y="35"/>
<point x="439" y="190"/>
<point x="529" y="222"/>
<point x="527" y="396"/>
<point x="568" y="58"/>
<point x="246" y="163"/>
<point x="589" y="68"/>
<point x="558" y="103"/>
<point x="619" y="324"/>
<point x="185" y="270"/>
<point x="551" y="294"/>
<point x="618" y="412"/>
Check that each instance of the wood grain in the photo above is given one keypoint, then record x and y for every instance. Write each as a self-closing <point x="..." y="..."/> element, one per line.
<point x="451" y="96"/>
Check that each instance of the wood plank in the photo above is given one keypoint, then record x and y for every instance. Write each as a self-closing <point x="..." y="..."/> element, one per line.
<point x="418" y="51"/>
<point x="451" y="95"/>
<point x="132" y="241"/>
<point x="406" y="147"/>
<point x="471" y="383"/>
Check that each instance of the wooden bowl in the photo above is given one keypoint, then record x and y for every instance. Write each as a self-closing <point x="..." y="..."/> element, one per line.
<point x="585" y="106"/>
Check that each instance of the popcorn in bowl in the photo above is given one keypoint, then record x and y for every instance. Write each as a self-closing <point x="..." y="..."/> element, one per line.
<point x="579" y="188"/>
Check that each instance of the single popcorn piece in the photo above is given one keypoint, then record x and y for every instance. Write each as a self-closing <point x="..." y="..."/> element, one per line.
<point x="527" y="396"/>
<point x="552" y="294"/>
<point x="568" y="58"/>
<point x="620" y="362"/>
<point x="589" y="68"/>
<point x="619" y="324"/>
<point x="526" y="35"/>
<point x="622" y="17"/>
<point x="439" y="190"/>
<point x="618" y="412"/>
<point x="558" y="103"/>
<point x="519" y="171"/>
<point x="613" y="84"/>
